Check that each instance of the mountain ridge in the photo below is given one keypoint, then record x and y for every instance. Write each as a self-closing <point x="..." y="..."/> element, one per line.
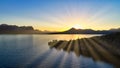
<point x="14" y="29"/>
<point x="86" y="31"/>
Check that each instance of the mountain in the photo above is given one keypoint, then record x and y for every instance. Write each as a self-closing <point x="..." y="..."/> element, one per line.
<point x="77" y="31"/>
<point x="5" y="27"/>
<point x="84" y="31"/>
<point x="14" y="29"/>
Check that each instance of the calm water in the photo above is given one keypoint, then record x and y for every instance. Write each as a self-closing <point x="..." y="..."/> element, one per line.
<point x="32" y="51"/>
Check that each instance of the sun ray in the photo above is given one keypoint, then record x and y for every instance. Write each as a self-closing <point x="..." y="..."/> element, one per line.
<point x="77" y="26"/>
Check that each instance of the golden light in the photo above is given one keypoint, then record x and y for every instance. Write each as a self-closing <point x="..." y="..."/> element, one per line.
<point x="77" y="26"/>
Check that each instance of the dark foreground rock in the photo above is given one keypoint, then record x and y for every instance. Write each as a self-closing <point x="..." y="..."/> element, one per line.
<point x="102" y="48"/>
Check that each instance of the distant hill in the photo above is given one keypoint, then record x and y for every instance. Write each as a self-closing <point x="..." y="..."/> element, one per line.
<point x="85" y="31"/>
<point x="13" y="29"/>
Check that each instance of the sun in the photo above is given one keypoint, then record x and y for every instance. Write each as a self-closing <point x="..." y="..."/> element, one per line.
<point x="77" y="26"/>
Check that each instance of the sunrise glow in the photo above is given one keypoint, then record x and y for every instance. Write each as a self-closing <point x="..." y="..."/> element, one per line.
<point x="48" y="15"/>
<point x="77" y="26"/>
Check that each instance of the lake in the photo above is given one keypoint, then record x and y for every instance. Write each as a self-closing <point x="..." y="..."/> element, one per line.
<point x="33" y="51"/>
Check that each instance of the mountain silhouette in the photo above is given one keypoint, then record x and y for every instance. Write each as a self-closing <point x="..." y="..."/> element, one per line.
<point x="84" y="31"/>
<point x="76" y="31"/>
<point x="14" y="29"/>
<point x="73" y="30"/>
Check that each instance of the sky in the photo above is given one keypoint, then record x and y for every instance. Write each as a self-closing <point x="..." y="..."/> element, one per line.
<point x="60" y="15"/>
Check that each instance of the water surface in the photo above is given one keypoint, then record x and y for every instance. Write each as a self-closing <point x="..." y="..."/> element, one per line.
<point x="29" y="51"/>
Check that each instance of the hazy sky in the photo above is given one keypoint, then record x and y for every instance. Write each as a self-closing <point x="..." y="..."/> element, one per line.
<point x="57" y="15"/>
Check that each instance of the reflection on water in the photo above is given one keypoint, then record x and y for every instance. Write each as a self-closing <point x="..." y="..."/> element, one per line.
<point x="73" y="36"/>
<point x="32" y="51"/>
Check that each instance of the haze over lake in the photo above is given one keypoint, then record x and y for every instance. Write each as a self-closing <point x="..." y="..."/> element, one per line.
<point x="33" y="51"/>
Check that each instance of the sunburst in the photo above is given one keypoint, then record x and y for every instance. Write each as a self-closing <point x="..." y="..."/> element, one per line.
<point x="77" y="26"/>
